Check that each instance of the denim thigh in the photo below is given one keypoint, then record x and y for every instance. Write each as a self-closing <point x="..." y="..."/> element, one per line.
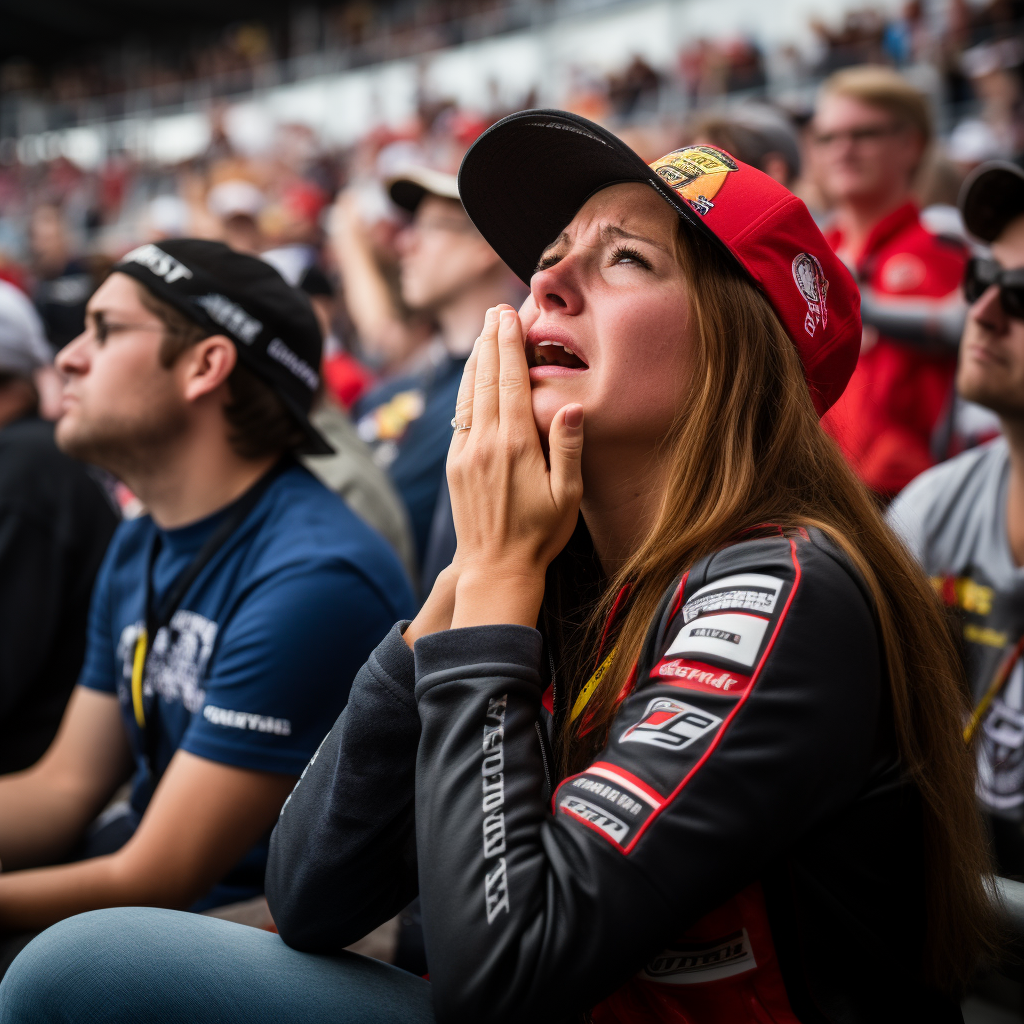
<point x="135" y="964"/>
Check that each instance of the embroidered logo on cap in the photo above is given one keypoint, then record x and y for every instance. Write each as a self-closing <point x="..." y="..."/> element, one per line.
<point x="813" y="285"/>
<point x="696" y="173"/>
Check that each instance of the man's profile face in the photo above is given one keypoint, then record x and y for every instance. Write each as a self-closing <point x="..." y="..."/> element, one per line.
<point x="441" y="253"/>
<point x="860" y="152"/>
<point x="119" y="401"/>
<point x="991" y="367"/>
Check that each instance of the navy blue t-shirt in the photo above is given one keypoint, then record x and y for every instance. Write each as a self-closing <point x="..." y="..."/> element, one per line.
<point x="257" y="661"/>
<point x="407" y="423"/>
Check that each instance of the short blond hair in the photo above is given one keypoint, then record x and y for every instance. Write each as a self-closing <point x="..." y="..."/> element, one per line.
<point x="882" y="87"/>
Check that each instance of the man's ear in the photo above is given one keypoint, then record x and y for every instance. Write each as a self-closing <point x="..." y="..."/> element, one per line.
<point x="206" y="366"/>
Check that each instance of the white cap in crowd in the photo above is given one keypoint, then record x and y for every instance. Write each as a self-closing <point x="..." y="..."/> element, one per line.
<point x="23" y="344"/>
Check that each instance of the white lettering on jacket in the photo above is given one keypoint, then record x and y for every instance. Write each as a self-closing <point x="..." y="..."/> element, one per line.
<point x="492" y="771"/>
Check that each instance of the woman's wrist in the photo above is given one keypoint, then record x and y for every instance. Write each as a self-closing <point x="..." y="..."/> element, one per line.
<point x="493" y="595"/>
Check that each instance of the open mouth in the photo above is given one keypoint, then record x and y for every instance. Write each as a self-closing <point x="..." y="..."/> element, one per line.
<point x="553" y="353"/>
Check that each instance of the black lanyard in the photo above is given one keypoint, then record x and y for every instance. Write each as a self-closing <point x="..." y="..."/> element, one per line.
<point x="159" y="616"/>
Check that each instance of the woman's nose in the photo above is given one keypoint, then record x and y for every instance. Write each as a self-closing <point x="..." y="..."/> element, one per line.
<point x="554" y="288"/>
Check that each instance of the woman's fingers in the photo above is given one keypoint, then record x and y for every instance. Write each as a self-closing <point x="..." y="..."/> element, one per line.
<point x="464" y="403"/>
<point x="565" y="452"/>
<point x="515" y="405"/>
<point x="485" y="384"/>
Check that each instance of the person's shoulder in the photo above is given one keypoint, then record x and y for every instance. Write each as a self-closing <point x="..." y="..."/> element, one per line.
<point x="916" y="261"/>
<point x="34" y="471"/>
<point x="951" y="485"/>
<point x="308" y="525"/>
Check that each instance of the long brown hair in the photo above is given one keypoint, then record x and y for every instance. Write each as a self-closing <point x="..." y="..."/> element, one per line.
<point x="747" y="449"/>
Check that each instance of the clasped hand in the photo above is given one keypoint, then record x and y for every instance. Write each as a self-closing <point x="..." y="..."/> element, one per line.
<point x="514" y="509"/>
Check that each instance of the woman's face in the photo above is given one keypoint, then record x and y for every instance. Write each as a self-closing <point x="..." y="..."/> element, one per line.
<point x="607" y="323"/>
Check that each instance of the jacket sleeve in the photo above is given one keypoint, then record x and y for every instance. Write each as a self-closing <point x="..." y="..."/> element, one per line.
<point x="342" y="856"/>
<point x="753" y="720"/>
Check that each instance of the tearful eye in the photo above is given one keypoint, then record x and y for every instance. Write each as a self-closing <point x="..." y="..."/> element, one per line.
<point x="625" y="254"/>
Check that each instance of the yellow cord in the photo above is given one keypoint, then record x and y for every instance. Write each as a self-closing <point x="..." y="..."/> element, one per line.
<point x="591" y="685"/>
<point x="138" y="665"/>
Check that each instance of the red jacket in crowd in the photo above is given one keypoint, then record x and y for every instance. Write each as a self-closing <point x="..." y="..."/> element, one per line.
<point x="885" y="419"/>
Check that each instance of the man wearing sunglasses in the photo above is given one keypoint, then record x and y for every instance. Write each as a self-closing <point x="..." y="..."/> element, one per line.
<point x="870" y="133"/>
<point x="964" y="520"/>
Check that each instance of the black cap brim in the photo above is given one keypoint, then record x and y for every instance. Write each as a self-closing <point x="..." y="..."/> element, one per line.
<point x="991" y="197"/>
<point x="527" y="176"/>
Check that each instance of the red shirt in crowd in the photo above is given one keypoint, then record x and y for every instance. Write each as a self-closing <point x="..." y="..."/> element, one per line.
<point x="885" y="418"/>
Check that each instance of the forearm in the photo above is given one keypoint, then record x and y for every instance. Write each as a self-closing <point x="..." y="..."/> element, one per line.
<point x="41" y="818"/>
<point x="39" y="897"/>
<point x="368" y="299"/>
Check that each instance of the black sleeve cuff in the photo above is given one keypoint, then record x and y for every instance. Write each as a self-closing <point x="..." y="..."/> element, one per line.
<point x="393" y="666"/>
<point x="478" y="650"/>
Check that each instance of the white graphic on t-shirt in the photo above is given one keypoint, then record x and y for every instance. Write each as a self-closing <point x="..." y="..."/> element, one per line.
<point x="1001" y="750"/>
<point x="177" y="662"/>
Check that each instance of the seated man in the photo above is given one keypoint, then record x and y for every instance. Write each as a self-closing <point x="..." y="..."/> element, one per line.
<point x="964" y="519"/>
<point x="450" y="272"/>
<point x="55" y="524"/>
<point x="225" y="626"/>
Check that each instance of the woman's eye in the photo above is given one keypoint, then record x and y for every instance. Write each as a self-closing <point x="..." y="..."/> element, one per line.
<point x="624" y="254"/>
<point x="547" y="262"/>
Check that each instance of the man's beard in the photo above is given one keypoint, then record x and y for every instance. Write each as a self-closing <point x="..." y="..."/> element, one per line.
<point x="124" y="446"/>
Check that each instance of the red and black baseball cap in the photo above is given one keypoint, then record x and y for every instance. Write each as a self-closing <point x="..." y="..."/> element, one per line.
<point x="526" y="177"/>
<point x="244" y="298"/>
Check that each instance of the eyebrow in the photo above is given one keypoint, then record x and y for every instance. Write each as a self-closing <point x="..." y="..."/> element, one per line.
<point x="608" y="232"/>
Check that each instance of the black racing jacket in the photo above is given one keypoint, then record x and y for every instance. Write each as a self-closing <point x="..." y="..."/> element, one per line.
<point x="745" y="847"/>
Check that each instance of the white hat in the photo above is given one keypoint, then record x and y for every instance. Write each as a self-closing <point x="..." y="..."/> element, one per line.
<point x="233" y="198"/>
<point x="23" y="344"/>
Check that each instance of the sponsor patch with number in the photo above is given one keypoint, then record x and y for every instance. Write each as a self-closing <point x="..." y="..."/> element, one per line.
<point x="670" y="724"/>
<point x="695" y="963"/>
<point x="610" y="799"/>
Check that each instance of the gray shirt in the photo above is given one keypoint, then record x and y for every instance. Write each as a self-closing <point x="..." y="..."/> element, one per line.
<point x="953" y="520"/>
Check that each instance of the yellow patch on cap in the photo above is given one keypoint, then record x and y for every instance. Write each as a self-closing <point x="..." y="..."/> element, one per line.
<point x="696" y="173"/>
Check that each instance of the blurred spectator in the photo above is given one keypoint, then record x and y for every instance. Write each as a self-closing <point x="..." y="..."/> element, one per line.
<point x="236" y="205"/>
<point x="55" y="524"/>
<point x="226" y="626"/>
<point x="758" y="135"/>
<point x="871" y="133"/>
<point x="448" y="270"/>
<point x="63" y="282"/>
<point x="964" y="520"/>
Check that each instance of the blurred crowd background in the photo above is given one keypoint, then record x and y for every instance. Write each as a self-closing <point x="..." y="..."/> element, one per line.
<point x="248" y="130"/>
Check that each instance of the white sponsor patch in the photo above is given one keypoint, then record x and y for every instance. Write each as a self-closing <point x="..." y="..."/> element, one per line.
<point x="613" y="827"/>
<point x="670" y="724"/>
<point x="733" y="636"/>
<point x="746" y="592"/>
<point x="695" y="963"/>
<point x="158" y="262"/>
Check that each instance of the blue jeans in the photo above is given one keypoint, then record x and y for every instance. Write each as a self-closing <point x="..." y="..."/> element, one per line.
<point x="143" y="966"/>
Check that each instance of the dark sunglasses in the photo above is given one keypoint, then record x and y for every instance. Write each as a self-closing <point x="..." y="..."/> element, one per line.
<point x="981" y="274"/>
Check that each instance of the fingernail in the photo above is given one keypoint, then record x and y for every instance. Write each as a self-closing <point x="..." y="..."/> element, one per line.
<point x="491" y="314"/>
<point x="574" y="417"/>
<point x="506" y="316"/>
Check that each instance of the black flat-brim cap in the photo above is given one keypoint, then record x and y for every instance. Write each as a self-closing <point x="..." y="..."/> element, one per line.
<point x="272" y="324"/>
<point x="991" y="197"/>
